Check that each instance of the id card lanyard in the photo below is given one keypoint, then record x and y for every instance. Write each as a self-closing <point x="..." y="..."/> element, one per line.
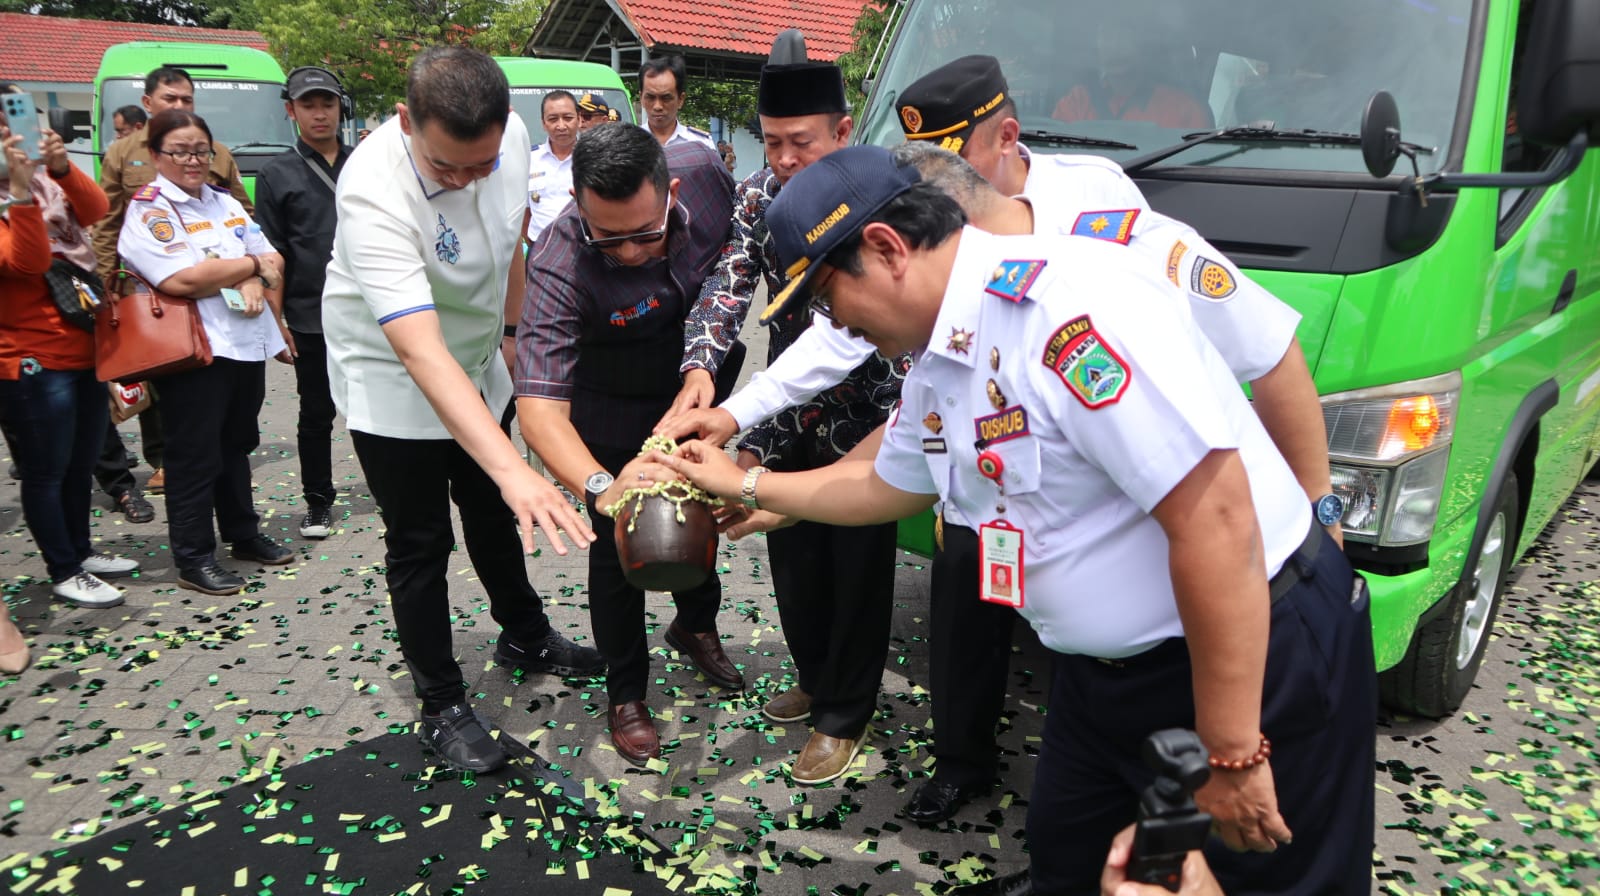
<point x="999" y="543"/>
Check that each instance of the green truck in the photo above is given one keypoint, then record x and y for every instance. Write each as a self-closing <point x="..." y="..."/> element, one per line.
<point x="237" y="90"/>
<point x="1413" y="178"/>
<point x="532" y="78"/>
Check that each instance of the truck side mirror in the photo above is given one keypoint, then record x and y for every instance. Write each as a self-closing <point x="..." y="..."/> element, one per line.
<point x="1380" y="134"/>
<point x="1558" y="93"/>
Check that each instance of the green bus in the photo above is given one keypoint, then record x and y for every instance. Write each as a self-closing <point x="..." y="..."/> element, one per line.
<point x="532" y="78"/>
<point x="237" y="90"/>
<point x="1450" y="306"/>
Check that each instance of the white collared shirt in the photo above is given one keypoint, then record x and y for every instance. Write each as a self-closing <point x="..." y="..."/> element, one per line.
<point x="166" y="231"/>
<point x="549" y="188"/>
<point x="694" y="135"/>
<point x="405" y="245"/>
<point x="1100" y="395"/>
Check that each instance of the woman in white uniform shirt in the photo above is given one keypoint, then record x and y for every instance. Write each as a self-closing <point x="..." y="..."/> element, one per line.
<point x="188" y="239"/>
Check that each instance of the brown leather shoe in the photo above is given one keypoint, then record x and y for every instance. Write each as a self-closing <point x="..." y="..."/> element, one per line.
<point x="790" y="706"/>
<point x="825" y="758"/>
<point x="633" y="732"/>
<point x="705" y="651"/>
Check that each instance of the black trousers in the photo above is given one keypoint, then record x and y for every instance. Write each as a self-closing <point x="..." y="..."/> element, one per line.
<point x="314" y="432"/>
<point x="414" y="481"/>
<point x="969" y="655"/>
<point x="616" y="609"/>
<point x="210" y="412"/>
<point x="1319" y="708"/>
<point x="112" y="471"/>
<point x="835" y="591"/>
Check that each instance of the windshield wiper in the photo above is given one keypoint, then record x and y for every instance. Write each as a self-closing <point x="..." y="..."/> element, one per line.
<point x="1059" y="139"/>
<point x="1255" y="134"/>
<point x="240" y="146"/>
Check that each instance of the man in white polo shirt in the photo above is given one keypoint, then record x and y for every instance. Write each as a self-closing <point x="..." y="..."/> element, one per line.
<point x="420" y="288"/>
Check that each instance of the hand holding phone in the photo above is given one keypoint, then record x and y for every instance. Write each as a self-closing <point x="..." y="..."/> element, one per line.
<point x="233" y="298"/>
<point x="23" y="118"/>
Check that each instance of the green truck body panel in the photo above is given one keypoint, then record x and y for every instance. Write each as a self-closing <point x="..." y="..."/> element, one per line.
<point x="1507" y="294"/>
<point x="532" y="78"/>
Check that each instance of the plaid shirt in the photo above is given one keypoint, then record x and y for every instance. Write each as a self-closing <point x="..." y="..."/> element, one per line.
<point x="829" y="425"/>
<point x="579" y="303"/>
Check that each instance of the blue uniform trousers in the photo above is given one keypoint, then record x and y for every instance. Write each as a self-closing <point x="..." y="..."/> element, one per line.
<point x="1319" y="708"/>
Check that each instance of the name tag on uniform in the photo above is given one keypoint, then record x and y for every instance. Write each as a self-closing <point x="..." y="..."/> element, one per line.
<point x="1000" y="564"/>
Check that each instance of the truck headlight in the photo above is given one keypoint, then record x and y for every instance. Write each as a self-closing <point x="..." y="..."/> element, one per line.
<point x="1388" y="449"/>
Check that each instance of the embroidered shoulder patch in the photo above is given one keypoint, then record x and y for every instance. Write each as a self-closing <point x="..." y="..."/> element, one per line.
<point x="161" y="229"/>
<point x="1174" y="260"/>
<point x="1115" y="225"/>
<point x="1091" y="370"/>
<point x="1012" y="279"/>
<point x="1210" y="279"/>
<point x="146" y="193"/>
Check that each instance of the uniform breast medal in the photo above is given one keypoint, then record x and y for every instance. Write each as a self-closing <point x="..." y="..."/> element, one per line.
<point x="999" y="543"/>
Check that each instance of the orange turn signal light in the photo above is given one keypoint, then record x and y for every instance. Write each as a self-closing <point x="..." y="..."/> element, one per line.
<point x="1414" y="422"/>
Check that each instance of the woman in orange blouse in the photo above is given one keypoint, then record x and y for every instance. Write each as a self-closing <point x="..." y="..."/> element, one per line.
<point x="53" y="406"/>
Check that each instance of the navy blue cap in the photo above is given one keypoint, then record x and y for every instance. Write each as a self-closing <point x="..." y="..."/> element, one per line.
<point x="825" y="203"/>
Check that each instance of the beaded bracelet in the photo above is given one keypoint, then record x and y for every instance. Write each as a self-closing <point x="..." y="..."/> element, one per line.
<point x="1261" y="755"/>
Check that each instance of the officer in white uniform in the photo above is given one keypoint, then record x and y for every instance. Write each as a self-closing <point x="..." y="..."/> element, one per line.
<point x="209" y="413"/>
<point x="1105" y="452"/>
<point x="683" y="133"/>
<point x="550" y="163"/>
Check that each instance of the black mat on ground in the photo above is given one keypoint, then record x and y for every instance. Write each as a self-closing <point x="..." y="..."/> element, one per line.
<point x="374" y="818"/>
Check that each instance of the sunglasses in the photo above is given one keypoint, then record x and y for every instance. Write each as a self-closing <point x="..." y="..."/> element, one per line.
<point x="642" y="238"/>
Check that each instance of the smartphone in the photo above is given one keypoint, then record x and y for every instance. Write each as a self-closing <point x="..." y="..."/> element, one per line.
<point x="233" y="297"/>
<point x="23" y="118"/>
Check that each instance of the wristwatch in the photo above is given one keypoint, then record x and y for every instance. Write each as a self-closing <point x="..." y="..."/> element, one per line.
<point x="1329" y="509"/>
<point x="596" y="484"/>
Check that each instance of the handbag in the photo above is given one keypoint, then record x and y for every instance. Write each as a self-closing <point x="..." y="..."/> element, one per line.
<point x="128" y="400"/>
<point x="146" y="333"/>
<point x="77" y="293"/>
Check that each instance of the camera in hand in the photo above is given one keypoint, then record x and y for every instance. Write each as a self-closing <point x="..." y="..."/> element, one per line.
<point x="1170" y="825"/>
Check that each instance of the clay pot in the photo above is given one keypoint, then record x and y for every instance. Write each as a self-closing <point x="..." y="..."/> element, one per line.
<point x="662" y="554"/>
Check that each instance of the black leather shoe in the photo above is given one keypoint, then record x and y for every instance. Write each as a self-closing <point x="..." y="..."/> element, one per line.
<point x="261" y="549"/>
<point x="1018" y="884"/>
<point x="937" y="801"/>
<point x="462" y="739"/>
<point x="210" y="579"/>
<point x="554" y="655"/>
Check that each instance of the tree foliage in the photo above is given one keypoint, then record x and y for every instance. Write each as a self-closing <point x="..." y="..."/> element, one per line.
<point x="370" y="43"/>
<point x="879" y="19"/>
<point x="153" y="12"/>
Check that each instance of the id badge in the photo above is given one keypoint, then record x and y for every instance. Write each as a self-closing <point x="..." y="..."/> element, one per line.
<point x="1000" y="564"/>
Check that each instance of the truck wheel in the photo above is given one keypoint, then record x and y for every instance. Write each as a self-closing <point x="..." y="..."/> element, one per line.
<point x="1443" y="659"/>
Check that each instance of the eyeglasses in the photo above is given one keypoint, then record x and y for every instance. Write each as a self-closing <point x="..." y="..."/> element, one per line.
<point x="183" y="155"/>
<point x="821" y="302"/>
<point x="643" y="237"/>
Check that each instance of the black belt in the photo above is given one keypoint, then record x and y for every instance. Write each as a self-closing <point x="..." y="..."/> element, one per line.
<point x="1297" y="567"/>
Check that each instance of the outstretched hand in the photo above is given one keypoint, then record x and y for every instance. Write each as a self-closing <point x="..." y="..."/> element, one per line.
<point x="705" y="465"/>
<point x="712" y="425"/>
<point x="537" y="503"/>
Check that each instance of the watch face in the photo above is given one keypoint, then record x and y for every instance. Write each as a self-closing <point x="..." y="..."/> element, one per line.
<point x="598" y="483"/>
<point x="1330" y="509"/>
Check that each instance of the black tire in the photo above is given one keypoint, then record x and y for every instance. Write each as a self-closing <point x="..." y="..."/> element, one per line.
<point x="1445" y="653"/>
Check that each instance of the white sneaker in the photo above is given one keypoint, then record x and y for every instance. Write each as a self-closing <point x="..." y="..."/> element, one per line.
<point x="106" y="566"/>
<point x="84" y="590"/>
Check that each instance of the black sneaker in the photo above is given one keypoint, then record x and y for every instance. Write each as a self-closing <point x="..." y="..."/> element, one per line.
<point x="210" y="579"/>
<point x="318" y="522"/>
<point x="462" y="739"/>
<point x="555" y="655"/>
<point x="262" y="549"/>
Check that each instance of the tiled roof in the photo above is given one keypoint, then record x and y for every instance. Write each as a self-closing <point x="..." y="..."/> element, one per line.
<point x="50" y="48"/>
<point x="745" y="26"/>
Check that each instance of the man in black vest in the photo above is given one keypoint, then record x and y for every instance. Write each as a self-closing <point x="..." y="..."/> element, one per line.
<point x="609" y="287"/>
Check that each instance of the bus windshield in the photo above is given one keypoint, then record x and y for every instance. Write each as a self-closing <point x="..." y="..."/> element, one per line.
<point x="1145" y="73"/>
<point x="245" y="116"/>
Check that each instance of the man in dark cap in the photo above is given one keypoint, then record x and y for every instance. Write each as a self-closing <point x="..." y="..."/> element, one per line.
<point x="592" y="110"/>
<point x="834" y="584"/>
